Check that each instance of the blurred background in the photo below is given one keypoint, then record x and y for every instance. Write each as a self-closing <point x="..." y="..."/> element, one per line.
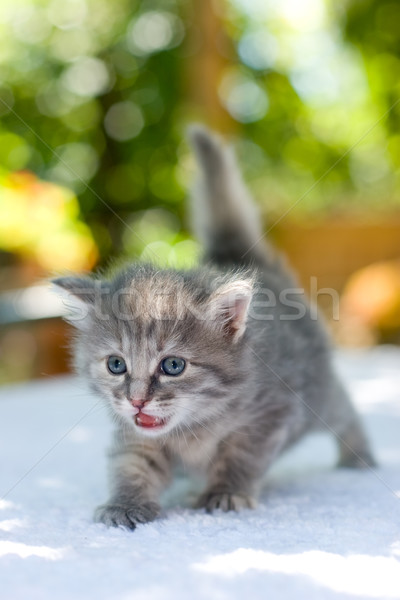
<point x="95" y="96"/>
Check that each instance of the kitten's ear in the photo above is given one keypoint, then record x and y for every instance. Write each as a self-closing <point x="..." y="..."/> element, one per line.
<point x="229" y="306"/>
<point x="78" y="294"/>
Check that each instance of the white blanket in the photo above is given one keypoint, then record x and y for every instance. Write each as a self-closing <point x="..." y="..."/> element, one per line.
<point x="318" y="533"/>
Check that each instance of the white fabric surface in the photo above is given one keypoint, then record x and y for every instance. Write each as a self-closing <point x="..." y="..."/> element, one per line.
<point x="318" y="533"/>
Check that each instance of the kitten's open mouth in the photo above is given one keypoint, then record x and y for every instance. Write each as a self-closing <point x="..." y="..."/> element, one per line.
<point x="149" y="421"/>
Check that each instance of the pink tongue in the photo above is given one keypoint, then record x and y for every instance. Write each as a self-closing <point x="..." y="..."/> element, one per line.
<point x="147" y="419"/>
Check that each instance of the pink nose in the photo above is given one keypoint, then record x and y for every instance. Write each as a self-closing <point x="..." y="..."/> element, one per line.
<point x="137" y="402"/>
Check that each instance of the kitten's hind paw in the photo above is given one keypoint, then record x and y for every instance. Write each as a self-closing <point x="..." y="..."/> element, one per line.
<point x="360" y="460"/>
<point x="225" y="501"/>
<point x="121" y="515"/>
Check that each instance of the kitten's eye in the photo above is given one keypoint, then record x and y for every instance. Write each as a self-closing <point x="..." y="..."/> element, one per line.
<point x="173" y="365"/>
<point x="116" y="365"/>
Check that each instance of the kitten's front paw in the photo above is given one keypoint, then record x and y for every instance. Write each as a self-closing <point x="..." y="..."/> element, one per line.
<point x="225" y="501"/>
<point x="121" y="515"/>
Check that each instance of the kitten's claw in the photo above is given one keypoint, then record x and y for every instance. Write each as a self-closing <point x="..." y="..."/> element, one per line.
<point x="120" y="515"/>
<point x="224" y="501"/>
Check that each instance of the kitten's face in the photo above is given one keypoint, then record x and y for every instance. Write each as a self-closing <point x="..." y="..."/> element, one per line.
<point x="160" y="367"/>
<point x="169" y="377"/>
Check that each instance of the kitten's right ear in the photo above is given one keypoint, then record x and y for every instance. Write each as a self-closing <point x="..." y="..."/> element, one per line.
<point x="78" y="294"/>
<point x="229" y="306"/>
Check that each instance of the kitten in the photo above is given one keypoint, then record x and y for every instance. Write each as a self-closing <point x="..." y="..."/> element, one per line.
<point x="215" y="367"/>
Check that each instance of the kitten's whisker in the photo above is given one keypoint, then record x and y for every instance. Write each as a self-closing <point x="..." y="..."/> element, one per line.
<point x="180" y="430"/>
<point x="210" y="459"/>
<point x="192" y="411"/>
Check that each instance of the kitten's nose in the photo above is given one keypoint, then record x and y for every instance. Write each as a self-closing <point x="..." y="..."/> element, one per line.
<point x="137" y="402"/>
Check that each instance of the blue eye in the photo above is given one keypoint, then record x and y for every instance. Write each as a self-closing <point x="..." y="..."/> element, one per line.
<point x="173" y="365"/>
<point x="116" y="365"/>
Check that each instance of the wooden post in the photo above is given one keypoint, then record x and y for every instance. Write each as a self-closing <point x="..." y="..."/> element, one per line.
<point x="207" y="56"/>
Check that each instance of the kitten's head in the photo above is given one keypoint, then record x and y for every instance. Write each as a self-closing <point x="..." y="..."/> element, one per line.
<point x="165" y="349"/>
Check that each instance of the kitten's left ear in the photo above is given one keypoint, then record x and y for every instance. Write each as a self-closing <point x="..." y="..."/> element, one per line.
<point x="229" y="306"/>
<point x="79" y="294"/>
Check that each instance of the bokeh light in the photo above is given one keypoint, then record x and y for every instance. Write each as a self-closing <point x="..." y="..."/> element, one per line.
<point x="154" y="31"/>
<point x="123" y="121"/>
<point x="243" y="97"/>
<point x="41" y="220"/>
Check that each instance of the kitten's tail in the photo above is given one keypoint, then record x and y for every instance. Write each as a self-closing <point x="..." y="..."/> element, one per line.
<point x="225" y="219"/>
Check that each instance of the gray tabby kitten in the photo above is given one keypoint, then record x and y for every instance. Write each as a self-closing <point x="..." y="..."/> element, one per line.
<point x="214" y="367"/>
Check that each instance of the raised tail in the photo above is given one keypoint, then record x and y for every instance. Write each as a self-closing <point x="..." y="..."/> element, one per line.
<point x="224" y="217"/>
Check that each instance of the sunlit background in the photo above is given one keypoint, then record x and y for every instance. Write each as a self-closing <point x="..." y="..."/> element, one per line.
<point x="95" y="96"/>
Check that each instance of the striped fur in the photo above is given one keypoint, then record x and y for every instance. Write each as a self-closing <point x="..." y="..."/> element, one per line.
<point x="258" y="374"/>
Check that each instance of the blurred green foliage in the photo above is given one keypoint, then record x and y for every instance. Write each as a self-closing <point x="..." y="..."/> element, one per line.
<point x="94" y="96"/>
